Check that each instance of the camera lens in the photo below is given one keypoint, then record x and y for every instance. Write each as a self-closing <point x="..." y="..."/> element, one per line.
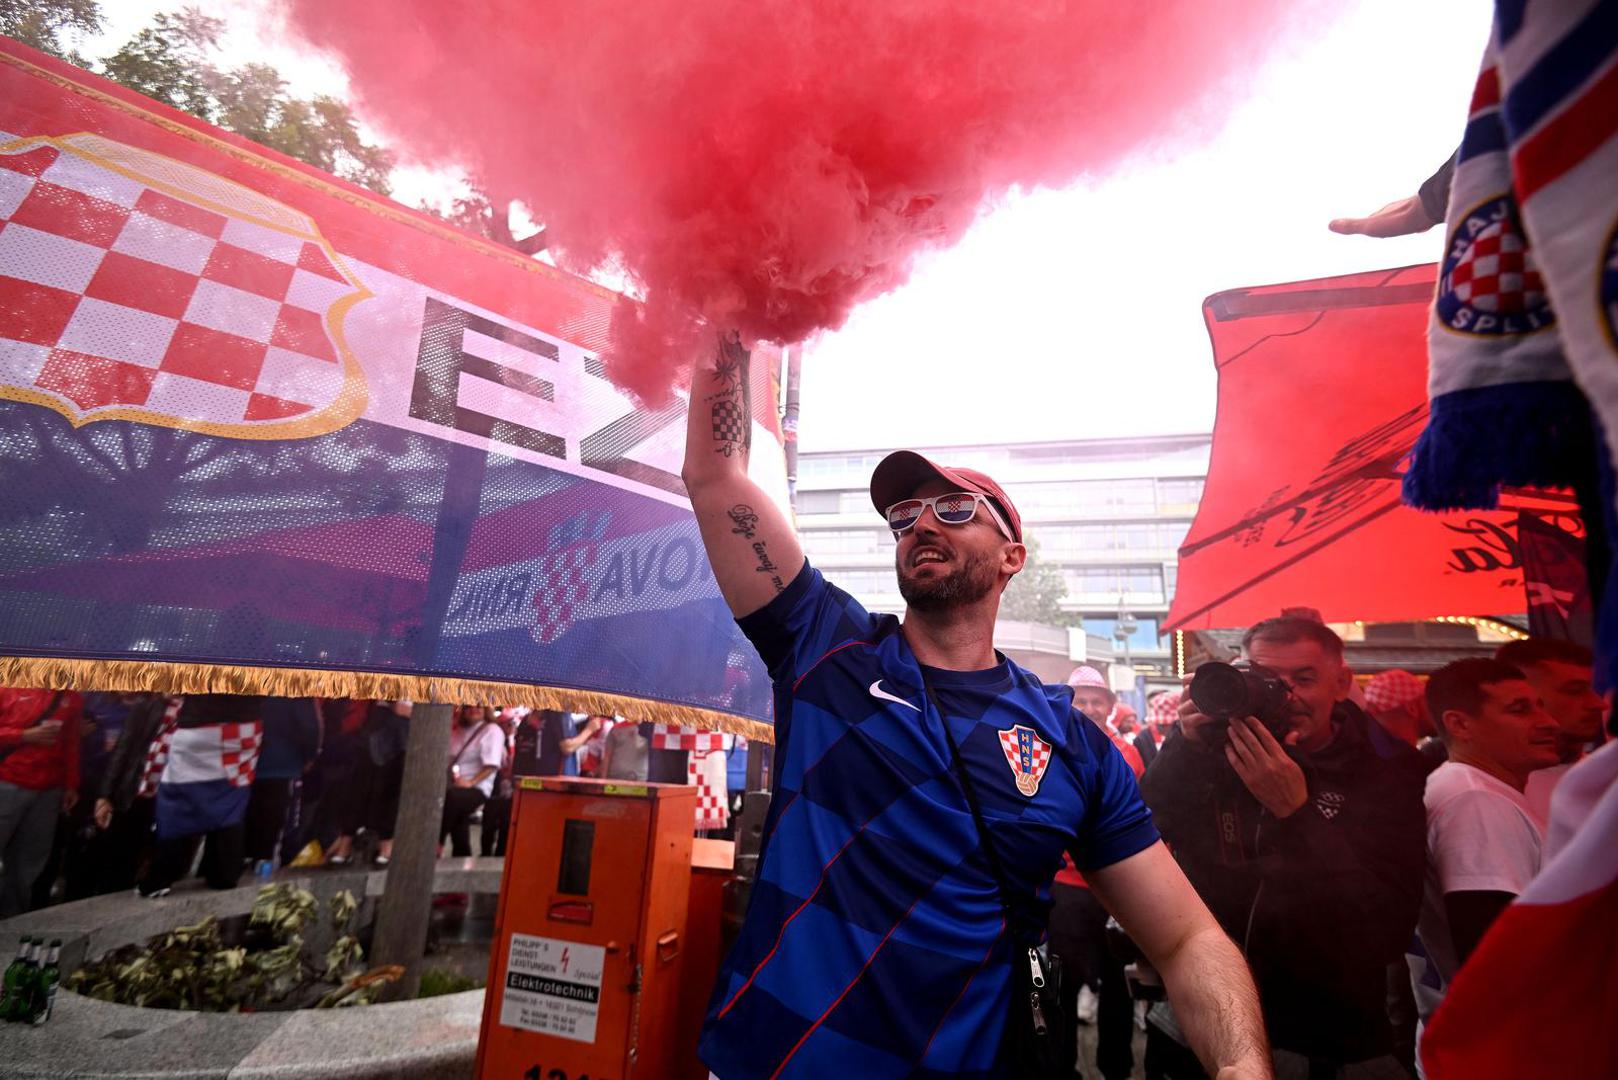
<point x="1219" y="690"/>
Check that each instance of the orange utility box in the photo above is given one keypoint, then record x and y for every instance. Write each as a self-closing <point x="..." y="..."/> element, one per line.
<point x="584" y="972"/>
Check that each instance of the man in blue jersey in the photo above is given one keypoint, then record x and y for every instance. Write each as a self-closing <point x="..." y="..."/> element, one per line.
<point x="875" y="944"/>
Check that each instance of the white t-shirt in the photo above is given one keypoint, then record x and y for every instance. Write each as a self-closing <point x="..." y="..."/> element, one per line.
<point x="1482" y="836"/>
<point x="1541" y="785"/>
<point x="472" y="756"/>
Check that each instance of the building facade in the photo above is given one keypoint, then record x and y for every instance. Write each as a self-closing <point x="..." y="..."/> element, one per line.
<point x="1110" y="514"/>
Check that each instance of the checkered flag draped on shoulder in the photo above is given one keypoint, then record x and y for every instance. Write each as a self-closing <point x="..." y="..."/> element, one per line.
<point x="157" y="754"/>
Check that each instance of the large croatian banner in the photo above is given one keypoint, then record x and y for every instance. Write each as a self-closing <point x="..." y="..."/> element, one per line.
<point x="261" y="430"/>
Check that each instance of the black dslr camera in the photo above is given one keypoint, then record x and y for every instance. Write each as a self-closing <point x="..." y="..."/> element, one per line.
<point x="1223" y="692"/>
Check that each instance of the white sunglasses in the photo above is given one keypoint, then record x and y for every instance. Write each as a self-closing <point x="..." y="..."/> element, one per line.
<point x="955" y="508"/>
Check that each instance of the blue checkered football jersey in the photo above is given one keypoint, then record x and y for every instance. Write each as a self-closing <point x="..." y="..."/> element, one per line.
<point x="873" y="945"/>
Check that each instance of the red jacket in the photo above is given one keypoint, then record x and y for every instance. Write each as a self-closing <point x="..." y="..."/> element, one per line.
<point x="39" y="768"/>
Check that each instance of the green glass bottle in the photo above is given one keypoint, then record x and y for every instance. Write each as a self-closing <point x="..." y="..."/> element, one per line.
<point x="45" y="982"/>
<point x="14" y="984"/>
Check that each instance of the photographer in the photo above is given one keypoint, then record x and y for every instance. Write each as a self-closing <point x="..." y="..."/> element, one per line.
<point x="1302" y="830"/>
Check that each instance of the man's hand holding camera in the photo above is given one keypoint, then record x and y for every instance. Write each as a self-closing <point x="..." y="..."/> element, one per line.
<point x="1269" y="773"/>
<point x="1258" y="758"/>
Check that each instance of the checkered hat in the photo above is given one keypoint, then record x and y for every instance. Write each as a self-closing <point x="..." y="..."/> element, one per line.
<point x="1393" y="690"/>
<point x="1164" y="708"/>
<point x="1088" y="676"/>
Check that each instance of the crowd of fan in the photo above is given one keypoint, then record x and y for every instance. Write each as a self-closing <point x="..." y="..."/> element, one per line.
<point x="1359" y="864"/>
<point x="307" y="780"/>
<point x="1356" y="853"/>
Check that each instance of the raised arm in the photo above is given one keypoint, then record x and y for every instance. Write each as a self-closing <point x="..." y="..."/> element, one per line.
<point x="754" y="552"/>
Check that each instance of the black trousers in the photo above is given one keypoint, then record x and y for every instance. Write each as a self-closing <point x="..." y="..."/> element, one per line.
<point x="1078" y="934"/>
<point x="459" y="803"/>
<point x="124" y="850"/>
<point x="496" y="825"/>
<point x="221" y="859"/>
<point x="266" y="813"/>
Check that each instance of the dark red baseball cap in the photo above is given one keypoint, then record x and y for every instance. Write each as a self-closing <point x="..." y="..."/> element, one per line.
<point x="899" y="474"/>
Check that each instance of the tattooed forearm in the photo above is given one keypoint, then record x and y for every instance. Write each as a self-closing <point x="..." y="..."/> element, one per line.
<point x="732" y="434"/>
<point x="731" y="366"/>
<point x="730" y="407"/>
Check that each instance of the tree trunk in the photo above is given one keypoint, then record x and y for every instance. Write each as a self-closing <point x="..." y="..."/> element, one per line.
<point x="405" y="908"/>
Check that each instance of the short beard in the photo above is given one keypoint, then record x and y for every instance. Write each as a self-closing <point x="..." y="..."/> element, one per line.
<point x="971" y="583"/>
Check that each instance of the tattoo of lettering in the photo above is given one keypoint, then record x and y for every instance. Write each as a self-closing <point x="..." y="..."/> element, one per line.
<point x="744" y="520"/>
<point x="766" y="565"/>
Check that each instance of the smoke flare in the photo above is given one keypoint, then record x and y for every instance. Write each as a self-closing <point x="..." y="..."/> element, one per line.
<point x="768" y="164"/>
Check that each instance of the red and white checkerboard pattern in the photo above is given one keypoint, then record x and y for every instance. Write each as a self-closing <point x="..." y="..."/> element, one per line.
<point x="1394" y="689"/>
<point x="675" y="737"/>
<point x="157" y="754"/>
<point x="1164" y="708"/>
<point x="1497" y="272"/>
<point x="1040" y="750"/>
<point x="713" y="809"/>
<point x="114" y="294"/>
<point x="562" y="587"/>
<point x="239" y="745"/>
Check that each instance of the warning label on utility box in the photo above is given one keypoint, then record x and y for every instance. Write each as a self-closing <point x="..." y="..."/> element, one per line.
<point x="553" y="987"/>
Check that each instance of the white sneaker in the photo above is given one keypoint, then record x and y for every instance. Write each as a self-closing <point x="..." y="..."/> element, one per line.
<point x="1087" y="1005"/>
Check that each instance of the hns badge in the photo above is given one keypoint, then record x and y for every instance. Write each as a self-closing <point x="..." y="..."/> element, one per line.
<point x="1028" y="755"/>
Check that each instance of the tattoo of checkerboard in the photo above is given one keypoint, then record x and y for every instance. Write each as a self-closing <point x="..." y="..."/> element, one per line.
<point x="731" y="430"/>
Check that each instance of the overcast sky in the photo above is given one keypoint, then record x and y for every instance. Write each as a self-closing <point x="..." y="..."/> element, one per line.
<point x="1077" y="313"/>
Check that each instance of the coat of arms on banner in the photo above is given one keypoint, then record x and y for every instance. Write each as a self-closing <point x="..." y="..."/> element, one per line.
<point x="562" y="587"/>
<point x="137" y="287"/>
<point x="1028" y="755"/>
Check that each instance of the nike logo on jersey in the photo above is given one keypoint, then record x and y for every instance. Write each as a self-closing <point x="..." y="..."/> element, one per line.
<point x="878" y="692"/>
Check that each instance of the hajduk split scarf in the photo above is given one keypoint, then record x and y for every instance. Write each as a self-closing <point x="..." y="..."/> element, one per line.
<point x="1523" y="338"/>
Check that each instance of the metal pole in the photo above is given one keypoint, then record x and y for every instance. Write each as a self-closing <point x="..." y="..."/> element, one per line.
<point x="406" y="907"/>
<point x="789" y="421"/>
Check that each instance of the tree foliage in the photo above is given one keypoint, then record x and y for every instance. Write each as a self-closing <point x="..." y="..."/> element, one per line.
<point x="1035" y="595"/>
<point x="46" y="24"/>
<point x="170" y="61"/>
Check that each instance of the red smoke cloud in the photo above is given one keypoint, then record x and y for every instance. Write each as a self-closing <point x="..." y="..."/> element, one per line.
<point x="768" y="164"/>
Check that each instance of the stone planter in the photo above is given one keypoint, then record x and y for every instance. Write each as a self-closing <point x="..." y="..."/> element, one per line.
<point x="431" y="1037"/>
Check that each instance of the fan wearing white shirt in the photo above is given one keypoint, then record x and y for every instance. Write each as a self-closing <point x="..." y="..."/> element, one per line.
<point x="477" y="746"/>
<point x="1562" y="672"/>
<point x="1483" y="840"/>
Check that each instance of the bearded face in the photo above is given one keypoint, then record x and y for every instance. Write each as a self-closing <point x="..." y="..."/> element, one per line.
<point x="936" y="576"/>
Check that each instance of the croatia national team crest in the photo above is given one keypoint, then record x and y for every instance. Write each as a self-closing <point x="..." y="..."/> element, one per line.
<point x="1488" y="283"/>
<point x="1028" y="755"/>
<point x="137" y="287"/>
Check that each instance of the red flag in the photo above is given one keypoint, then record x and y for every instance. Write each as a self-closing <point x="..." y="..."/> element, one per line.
<point x="1537" y="997"/>
<point x="1322" y="392"/>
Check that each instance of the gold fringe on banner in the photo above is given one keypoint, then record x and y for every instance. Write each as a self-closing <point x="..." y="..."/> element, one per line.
<point x="151" y="676"/>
